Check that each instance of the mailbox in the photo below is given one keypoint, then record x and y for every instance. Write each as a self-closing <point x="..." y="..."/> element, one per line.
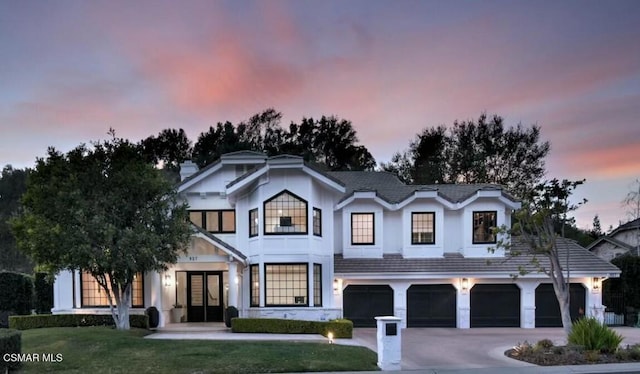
<point x="389" y="343"/>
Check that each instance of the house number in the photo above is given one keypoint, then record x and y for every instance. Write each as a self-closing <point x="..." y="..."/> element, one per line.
<point x="193" y="258"/>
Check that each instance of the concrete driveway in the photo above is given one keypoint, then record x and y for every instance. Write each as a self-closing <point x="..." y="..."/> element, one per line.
<point x="449" y="348"/>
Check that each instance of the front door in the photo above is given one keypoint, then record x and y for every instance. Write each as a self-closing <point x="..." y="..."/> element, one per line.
<point x="204" y="296"/>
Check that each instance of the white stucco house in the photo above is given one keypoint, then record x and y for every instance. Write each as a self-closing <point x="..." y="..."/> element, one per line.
<point x="277" y="237"/>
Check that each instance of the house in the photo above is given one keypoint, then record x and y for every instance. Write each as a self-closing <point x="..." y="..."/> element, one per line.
<point x="624" y="239"/>
<point x="277" y="237"/>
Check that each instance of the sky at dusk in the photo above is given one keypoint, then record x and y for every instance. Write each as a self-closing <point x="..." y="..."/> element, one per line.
<point x="70" y="70"/>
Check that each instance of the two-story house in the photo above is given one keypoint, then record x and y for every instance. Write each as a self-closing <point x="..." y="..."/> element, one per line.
<point x="277" y="237"/>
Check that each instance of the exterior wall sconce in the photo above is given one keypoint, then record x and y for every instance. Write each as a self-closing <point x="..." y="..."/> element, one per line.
<point x="595" y="282"/>
<point x="337" y="285"/>
<point x="465" y="284"/>
<point x="167" y="280"/>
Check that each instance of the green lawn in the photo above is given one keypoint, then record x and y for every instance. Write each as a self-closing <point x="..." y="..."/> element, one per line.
<point x="105" y="350"/>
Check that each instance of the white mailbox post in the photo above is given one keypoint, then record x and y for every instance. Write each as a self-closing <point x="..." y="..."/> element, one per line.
<point x="389" y="343"/>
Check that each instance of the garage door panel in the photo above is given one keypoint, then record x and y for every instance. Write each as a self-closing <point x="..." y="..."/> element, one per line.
<point x="548" y="309"/>
<point x="361" y="303"/>
<point x="495" y="305"/>
<point x="431" y="306"/>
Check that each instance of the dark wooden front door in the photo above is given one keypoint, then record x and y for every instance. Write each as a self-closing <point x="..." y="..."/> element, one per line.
<point x="204" y="296"/>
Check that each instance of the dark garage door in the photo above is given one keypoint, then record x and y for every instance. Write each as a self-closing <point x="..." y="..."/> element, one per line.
<point x="495" y="305"/>
<point x="432" y="305"/>
<point x="362" y="303"/>
<point x="548" y="309"/>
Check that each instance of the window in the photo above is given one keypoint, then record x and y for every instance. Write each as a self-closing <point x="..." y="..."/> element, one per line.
<point x="253" y="222"/>
<point x="285" y="214"/>
<point x="423" y="227"/>
<point x="93" y="295"/>
<point x="483" y="224"/>
<point x="317" y="222"/>
<point x="254" y="278"/>
<point x="362" y="229"/>
<point x="286" y="284"/>
<point x="317" y="285"/>
<point x="221" y="221"/>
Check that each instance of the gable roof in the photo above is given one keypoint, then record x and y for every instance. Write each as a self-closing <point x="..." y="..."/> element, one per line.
<point x="583" y="263"/>
<point x="226" y="247"/>
<point x="631" y="225"/>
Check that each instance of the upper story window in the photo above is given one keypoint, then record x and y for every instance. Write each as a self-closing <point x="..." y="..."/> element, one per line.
<point x="362" y="228"/>
<point x="285" y="214"/>
<point x="253" y="222"/>
<point x="317" y="222"/>
<point x="423" y="228"/>
<point x="483" y="225"/>
<point x="220" y="221"/>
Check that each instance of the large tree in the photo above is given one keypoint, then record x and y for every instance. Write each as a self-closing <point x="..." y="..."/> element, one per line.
<point x="536" y="226"/>
<point x="102" y="209"/>
<point x="481" y="151"/>
<point x="12" y="186"/>
<point x="167" y="150"/>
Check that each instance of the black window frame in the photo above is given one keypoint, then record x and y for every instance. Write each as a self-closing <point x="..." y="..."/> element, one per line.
<point x="220" y="213"/>
<point x="317" y="221"/>
<point x="489" y="232"/>
<point x="433" y="229"/>
<point x="254" y="287"/>
<point x="254" y="224"/>
<point x="265" y="213"/>
<point x="317" y="284"/>
<point x="373" y="228"/>
<point x="267" y="288"/>
<point x="99" y="288"/>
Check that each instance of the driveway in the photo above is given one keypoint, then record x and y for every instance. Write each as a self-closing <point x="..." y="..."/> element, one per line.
<point x="449" y="348"/>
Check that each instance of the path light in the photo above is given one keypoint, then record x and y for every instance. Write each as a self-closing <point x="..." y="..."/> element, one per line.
<point x="330" y="337"/>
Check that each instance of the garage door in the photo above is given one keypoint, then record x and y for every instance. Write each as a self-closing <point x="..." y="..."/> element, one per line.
<point x="495" y="305"/>
<point x="548" y="309"/>
<point x="432" y="305"/>
<point x="362" y="303"/>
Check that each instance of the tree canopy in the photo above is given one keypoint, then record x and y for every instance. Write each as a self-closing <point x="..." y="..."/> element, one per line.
<point x="12" y="186"/>
<point x="103" y="209"/>
<point x="481" y="151"/>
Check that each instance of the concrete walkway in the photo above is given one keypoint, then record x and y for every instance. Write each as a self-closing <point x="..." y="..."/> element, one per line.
<point x="434" y="350"/>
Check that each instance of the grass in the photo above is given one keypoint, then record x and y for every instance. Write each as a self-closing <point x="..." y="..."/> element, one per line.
<point x="105" y="350"/>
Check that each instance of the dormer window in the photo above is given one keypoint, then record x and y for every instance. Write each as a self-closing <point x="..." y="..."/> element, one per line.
<point x="285" y="214"/>
<point x="483" y="225"/>
<point x="423" y="227"/>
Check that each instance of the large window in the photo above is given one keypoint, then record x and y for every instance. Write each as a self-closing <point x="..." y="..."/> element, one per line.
<point x="362" y="228"/>
<point x="317" y="222"/>
<point x="285" y="214"/>
<point x="220" y="221"/>
<point x="483" y="225"/>
<point x="317" y="285"/>
<point x="423" y="227"/>
<point x="253" y="222"/>
<point x="254" y="278"/>
<point x="286" y="284"/>
<point x="93" y="295"/>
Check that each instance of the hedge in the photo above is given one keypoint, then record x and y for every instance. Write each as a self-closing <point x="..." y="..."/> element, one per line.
<point x="16" y="295"/>
<point x="341" y="328"/>
<point x="72" y="320"/>
<point x="43" y="289"/>
<point x="10" y="343"/>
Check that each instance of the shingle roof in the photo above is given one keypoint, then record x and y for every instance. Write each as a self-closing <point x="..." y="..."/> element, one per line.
<point x="627" y="226"/>
<point x="581" y="262"/>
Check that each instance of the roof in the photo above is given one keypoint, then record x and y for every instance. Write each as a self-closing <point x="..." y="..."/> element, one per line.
<point x="634" y="224"/>
<point x="631" y="225"/>
<point x="393" y="190"/>
<point x="221" y="243"/>
<point x="582" y="262"/>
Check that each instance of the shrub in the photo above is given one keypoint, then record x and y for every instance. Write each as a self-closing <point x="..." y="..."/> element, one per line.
<point x="544" y="344"/>
<point x="43" y="289"/>
<point x="72" y="320"/>
<point x="340" y="328"/>
<point x="16" y="295"/>
<point x="594" y="336"/>
<point x="592" y="356"/>
<point x="10" y="342"/>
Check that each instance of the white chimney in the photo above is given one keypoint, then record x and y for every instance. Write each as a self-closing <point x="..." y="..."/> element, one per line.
<point x="187" y="169"/>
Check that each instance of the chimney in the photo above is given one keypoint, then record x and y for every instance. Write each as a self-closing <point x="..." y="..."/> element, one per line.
<point x="187" y="169"/>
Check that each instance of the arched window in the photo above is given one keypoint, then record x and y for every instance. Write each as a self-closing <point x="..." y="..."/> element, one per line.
<point x="285" y="214"/>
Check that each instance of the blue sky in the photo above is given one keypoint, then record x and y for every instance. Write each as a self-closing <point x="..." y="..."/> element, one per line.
<point x="72" y="69"/>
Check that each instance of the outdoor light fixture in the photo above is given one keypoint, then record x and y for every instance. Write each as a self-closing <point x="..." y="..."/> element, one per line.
<point x="336" y="286"/>
<point x="167" y="280"/>
<point x="465" y="284"/>
<point x="330" y="337"/>
<point x="596" y="283"/>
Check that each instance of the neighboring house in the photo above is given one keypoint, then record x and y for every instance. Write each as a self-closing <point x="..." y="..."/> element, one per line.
<point x="277" y="237"/>
<point x="624" y="239"/>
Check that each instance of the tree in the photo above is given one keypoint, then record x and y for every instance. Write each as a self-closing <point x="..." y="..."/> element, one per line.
<point x="12" y="186"/>
<point x="104" y="210"/>
<point x="535" y="226"/>
<point x="596" y="230"/>
<point x="481" y="151"/>
<point x="167" y="150"/>
<point x="632" y="204"/>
